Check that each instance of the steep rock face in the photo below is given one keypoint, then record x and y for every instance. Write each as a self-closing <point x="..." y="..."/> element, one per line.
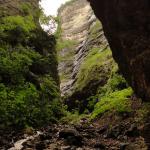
<point x="86" y="63"/>
<point x="9" y="7"/>
<point x="76" y="18"/>
<point x="127" y="28"/>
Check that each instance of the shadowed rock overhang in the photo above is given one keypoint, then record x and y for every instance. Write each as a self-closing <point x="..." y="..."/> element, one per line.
<point x="126" y="25"/>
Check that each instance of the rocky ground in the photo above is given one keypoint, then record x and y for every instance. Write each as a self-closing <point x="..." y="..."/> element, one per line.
<point x="109" y="132"/>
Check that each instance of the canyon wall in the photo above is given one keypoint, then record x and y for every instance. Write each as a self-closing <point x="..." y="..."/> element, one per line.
<point x="9" y="7"/>
<point x="85" y="59"/>
<point x="126" y="25"/>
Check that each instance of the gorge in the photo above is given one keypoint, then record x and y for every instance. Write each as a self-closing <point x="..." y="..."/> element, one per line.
<point x="82" y="88"/>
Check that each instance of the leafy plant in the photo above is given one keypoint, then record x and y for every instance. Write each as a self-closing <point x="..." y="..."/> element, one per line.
<point x="118" y="101"/>
<point x="94" y="67"/>
<point x="26" y="8"/>
<point x="16" y="25"/>
<point x="29" y="94"/>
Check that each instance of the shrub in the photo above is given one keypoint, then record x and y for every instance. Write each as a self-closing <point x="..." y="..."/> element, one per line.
<point x="22" y="106"/>
<point x="73" y="117"/>
<point x="15" y="65"/>
<point x="118" y="101"/>
<point x="26" y="100"/>
<point x="26" y="8"/>
<point x="94" y="67"/>
<point x="16" y="25"/>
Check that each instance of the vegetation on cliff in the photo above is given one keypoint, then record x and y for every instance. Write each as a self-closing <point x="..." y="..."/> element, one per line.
<point x="100" y="111"/>
<point x="29" y="92"/>
<point x="99" y="86"/>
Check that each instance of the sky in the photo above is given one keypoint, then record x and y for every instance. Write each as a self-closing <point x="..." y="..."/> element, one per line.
<point x="50" y="6"/>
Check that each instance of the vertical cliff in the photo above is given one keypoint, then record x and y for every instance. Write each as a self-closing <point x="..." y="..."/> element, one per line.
<point x="75" y="20"/>
<point x="85" y="59"/>
<point x="126" y="25"/>
<point x="103" y="112"/>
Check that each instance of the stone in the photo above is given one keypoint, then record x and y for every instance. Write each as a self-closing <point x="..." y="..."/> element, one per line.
<point x="71" y="137"/>
<point x="68" y="132"/>
<point x="127" y="27"/>
<point x="133" y="131"/>
<point x="123" y="146"/>
<point x="40" y="146"/>
<point x="115" y="132"/>
<point x="74" y="140"/>
<point x="76" y="26"/>
<point x="65" y="148"/>
<point x="99" y="146"/>
<point x="45" y="136"/>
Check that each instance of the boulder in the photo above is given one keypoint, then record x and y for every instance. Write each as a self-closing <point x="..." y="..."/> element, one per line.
<point x="71" y="136"/>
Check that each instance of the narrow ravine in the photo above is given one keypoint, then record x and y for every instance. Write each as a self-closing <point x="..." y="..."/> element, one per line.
<point x="82" y="84"/>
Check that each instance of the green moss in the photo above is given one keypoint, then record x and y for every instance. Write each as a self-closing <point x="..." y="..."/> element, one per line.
<point x="12" y="22"/>
<point x="67" y="44"/>
<point x="115" y="82"/>
<point x="73" y="117"/>
<point x="93" y="67"/>
<point x="28" y="74"/>
<point x="94" y="31"/>
<point x="26" y="8"/>
<point x="21" y="101"/>
<point x="118" y="101"/>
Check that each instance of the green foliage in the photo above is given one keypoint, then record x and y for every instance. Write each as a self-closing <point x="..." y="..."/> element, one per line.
<point x="16" y="25"/>
<point x="94" y="67"/>
<point x="26" y="8"/>
<point x="22" y="106"/>
<point x="95" y="29"/>
<point x="67" y="44"/>
<point x="118" y="101"/>
<point x="23" y="103"/>
<point x="14" y="65"/>
<point x="18" y="106"/>
<point x="115" y="83"/>
<point x="44" y="19"/>
<point x="12" y="22"/>
<point x="73" y="117"/>
<point x="29" y="94"/>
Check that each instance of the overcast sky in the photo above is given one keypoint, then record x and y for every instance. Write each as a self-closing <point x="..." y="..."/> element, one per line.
<point x="50" y="6"/>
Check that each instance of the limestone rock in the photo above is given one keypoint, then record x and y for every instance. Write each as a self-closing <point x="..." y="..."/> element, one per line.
<point x="77" y="21"/>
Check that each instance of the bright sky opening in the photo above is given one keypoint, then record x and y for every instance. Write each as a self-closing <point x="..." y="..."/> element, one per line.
<point x="51" y="6"/>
